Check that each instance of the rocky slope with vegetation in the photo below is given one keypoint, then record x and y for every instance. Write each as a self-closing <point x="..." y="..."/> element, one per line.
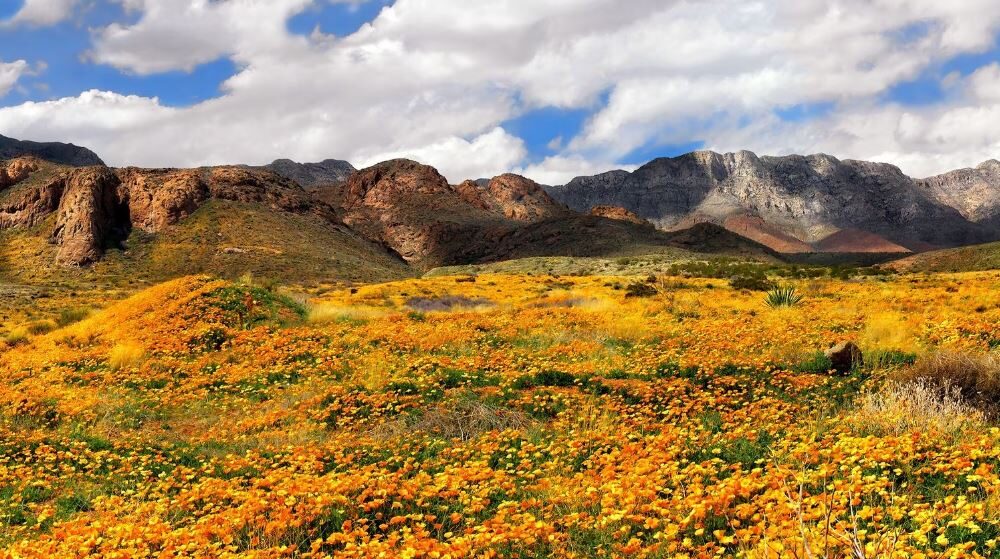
<point x="790" y="203"/>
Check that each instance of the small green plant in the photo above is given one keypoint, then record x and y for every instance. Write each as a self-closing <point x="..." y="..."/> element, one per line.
<point x="782" y="297"/>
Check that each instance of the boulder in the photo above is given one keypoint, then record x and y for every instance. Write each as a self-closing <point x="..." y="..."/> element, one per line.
<point x="844" y="356"/>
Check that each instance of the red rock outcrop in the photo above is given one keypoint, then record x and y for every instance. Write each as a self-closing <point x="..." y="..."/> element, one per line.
<point x="96" y="204"/>
<point x="618" y="213"/>
<point x="411" y="208"/>
<point x="522" y="199"/>
<point x="16" y="170"/>
<point x="88" y="213"/>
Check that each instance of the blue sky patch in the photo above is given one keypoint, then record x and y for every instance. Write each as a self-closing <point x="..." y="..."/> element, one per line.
<point x="341" y="19"/>
<point x="546" y="131"/>
<point x="66" y="72"/>
<point x="653" y="150"/>
<point x="9" y="8"/>
<point x="929" y="87"/>
<point x="798" y="113"/>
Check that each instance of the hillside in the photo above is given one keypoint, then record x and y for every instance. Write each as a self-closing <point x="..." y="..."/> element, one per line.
<point x="790" y="203"/>
<point x="962" y="259"/>
<point x="973" y="192"/>
<point x="154" y="224"/>
<point x="412" y="209"/>
<point x="385" y="222"/>
<point x="498" y="416"/>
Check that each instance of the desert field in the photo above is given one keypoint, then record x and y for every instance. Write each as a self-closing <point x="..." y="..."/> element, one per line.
<point x="508" y="415"/>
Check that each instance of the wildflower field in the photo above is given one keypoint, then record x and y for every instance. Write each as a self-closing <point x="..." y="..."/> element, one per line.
<point x="505" y="416"/>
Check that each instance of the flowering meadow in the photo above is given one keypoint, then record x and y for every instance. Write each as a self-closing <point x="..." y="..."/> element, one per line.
<point x="499" y="416"/>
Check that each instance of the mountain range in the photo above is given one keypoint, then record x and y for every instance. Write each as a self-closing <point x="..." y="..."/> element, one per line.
<point x="323" y="218"/>
<point x="799" y="204"/>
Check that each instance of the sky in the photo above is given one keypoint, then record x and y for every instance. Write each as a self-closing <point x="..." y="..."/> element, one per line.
<point x="552" y="89"/>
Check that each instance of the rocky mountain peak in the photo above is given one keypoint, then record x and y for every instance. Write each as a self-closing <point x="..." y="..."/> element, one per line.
<point x="522" y="199"/>
<point x="385" y="182"/>
<point x="794" y="201"/>
<point x="310" y="175"/>
<point x="55" y="152"/>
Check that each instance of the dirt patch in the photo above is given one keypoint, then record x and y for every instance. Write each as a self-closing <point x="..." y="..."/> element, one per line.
<point x="446" y="303"/>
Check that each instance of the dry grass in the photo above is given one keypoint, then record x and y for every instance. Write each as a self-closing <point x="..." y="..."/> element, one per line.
<point x="975" y="376"/>
<point x="323" y="313"/>
<point x="463" y="420"/>
<point x="17" y="337"/>
<point x="916" y="406"/>
<point x="125" y="356"/>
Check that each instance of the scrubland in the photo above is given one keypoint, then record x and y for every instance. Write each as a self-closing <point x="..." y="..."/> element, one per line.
<point x="506" y="415"/>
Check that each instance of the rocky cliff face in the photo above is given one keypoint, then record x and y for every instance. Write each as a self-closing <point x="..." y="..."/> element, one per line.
<point x="973" y="192"/>
<point x="63" y="154"/>
<point x="97" y="206"/>
<point x="514" y="197"/>
<point x="412" y="209"/>
<point x="799" y="198"/>
<point x="309" y="175"/>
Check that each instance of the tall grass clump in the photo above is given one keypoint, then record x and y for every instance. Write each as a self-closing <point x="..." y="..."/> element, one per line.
<point x="782" y="297"/>
<point x="125" y="356"/>
<point x="72" y="316"/>
<point x="17" y="336"/>
<point x="919" y="405"/>
<point x="976" y="377"/>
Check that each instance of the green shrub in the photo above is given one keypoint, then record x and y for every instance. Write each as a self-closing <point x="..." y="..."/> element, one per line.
<point x="639" y="290"/>
<point x="72" y="316"/>
<point x="782" y="297"/>
<point x="41" y="327"/>
<point x="751" y="283"/>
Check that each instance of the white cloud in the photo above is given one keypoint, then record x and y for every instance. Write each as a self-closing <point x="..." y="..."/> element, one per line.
<point x="460" y="159"/>
<point x="44" y="12"/>
<point x="561" y="169"/>
<point x="436" y="78"/>
<point x="10" y="73"/>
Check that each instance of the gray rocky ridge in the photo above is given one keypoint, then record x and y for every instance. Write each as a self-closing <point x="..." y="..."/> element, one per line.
<point x="798" y="198"/>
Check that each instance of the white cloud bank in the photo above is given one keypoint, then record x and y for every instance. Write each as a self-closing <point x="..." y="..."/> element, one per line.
<point x="434" y="80"/>
<point x="43" y="12"/>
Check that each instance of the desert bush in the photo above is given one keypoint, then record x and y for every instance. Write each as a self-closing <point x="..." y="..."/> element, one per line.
<point x="751" y="283"/>
<point x="464" y="420"/>
<point x="976" y="377"/>
<point x="783" y="297"/>
<point x="41" y="327"/>
<point x="17" y="336"/>
<point x="639" y="290"/>
<point x="125" y="356"/>
<point x="72" y="316"/>
<point x="919" y="405"/>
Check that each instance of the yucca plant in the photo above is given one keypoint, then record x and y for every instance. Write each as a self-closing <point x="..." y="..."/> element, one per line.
<point x="782" y="297"/>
